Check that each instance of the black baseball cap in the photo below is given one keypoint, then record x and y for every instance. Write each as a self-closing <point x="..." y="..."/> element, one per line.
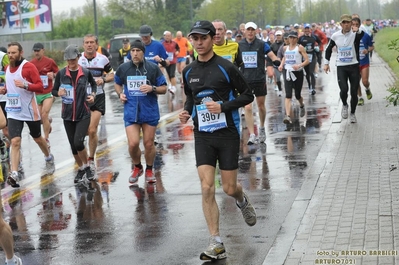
<point x="203" y="27"/>
<point x="126" y="40"/>
<point x="38" y="46"/>
<point x="145" y="30"/>
<point x="293" y="34"/>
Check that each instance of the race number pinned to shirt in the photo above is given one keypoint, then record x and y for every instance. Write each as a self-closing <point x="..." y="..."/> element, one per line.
<point x="345" y="54"/>
<point x="171" y="56"/>
<point x="44" y="79"/>
<point x="134" y="83"/>
<point x="361" y="51"/>
<point x="290" y="57"/>
<point x="228" y="57"/>
<point x="69" y="95"/>
<point x="125" y="59"/>
<point x="210" y="122"/>
<point x="100" y="89"/>
<point x="250" y="59"/>
<point x="310" y="56"/>
<point x="13" y="103"/>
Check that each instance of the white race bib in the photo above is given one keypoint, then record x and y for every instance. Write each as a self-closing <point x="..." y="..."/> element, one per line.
<point x="170" y="56"/>
<point x="44" y="79"/>
<point x="290" y="57"/>
<point x="228" y="57"/>
<point x="209" y="122"/>
<point x="310" y="56"/>
<point x="69" y="97"/>
<point x="250" y="59"/>
<point x="13" y="103"/>
<point x="361" y="54"/>
<point x="134" y="83"/>
<point x="345" y="54"/>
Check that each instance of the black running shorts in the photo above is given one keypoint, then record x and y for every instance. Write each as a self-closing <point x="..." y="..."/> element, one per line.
<point x="99" y="104"/>
<point x="210" y="149"/>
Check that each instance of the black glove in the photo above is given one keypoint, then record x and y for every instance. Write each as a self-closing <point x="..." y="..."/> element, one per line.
<point x="277" y="63"/>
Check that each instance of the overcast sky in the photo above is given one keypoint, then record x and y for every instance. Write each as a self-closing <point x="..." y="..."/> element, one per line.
<point x="65" y="5"/>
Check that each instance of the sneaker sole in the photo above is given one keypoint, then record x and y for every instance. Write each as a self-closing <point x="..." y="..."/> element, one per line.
<point x="204" y="256"/>
<point x="151" y="181"/>
<point x="287" y="122"/>
<point x="12" y="182"/>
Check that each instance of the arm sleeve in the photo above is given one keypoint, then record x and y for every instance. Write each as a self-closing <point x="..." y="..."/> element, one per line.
<point x="31" y="74"/>
<point x="266" y="48"/>
<point x="238" y="61"/>
<point x="56" y="85"/>
<point x="189" y="104"/>
<point x="328" y="52"/>
<point x="54" y="67"/>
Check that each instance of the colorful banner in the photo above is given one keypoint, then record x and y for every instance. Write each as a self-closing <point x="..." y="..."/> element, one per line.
<point x="35" y="16"/>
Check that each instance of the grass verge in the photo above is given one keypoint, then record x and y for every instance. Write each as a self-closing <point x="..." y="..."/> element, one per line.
<point x="382" y="40"/>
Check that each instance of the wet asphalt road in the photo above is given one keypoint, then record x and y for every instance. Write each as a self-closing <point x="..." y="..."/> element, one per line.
<point x="55" y="222"/>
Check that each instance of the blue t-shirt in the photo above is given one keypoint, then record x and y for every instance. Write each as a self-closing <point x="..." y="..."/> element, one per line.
<point x="365" y="43"/>
<point x="151" y="50"/>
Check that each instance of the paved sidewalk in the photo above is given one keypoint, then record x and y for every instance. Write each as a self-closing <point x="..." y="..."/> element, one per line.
<point x="347" y="211"/>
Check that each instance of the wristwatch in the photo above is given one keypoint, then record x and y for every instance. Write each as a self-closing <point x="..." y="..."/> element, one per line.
<point x="26" y="85"/>
<point x="154" y="88"/>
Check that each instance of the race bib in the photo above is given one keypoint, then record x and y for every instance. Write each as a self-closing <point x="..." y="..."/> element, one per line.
<point x="44" y="79"/>
<point x="228" y="57"/>
<point x="170" y="56"/>
<point x="345" y="54"/>
<point x="69" y="96"/>
<point x="13" y="103"/>
<point x="209" y="122"/>
<point x="250" y="59"/>
<point x="134" y="83"/>
<point x="310" y="56"/>
<point x="290" y="57"/>
<point x="361" y="54"/>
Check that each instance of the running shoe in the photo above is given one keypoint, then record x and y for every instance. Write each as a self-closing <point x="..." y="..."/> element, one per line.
<point x="214" y="251"/>
<point x="50" y="165"/>
<point x="252" y="139"/>
<point x="302" y="111"/>
<point x="172" y="90"/>
<point x="287" y="119"/>
<point x="353" y="118"/>
<point x="262" y="135"/>
<point x="13" y="180"/>
<point x="248" y="212"/>
<point x="316" y="75"/>
<point x="344" y="112"/>
<point x="17" y="261"/>
<point x="369" y="94"/>
<point x="149" y="176"/>
<point x="361" y="102"/>
<point x="136" y="173"/>
<point x="92" y="165"/>
<point x="89" y="174"/>
<point x="313" y="92"/>
<point x="79" y="176"/>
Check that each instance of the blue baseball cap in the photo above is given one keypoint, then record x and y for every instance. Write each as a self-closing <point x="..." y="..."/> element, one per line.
<point x="307" y="25"/>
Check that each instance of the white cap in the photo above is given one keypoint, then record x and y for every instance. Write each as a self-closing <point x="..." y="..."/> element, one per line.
<point x="278" y="32"/>
<point x="251" y="25"/>
<point x="229" y="31"/>
<point x="296" y="25"/>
